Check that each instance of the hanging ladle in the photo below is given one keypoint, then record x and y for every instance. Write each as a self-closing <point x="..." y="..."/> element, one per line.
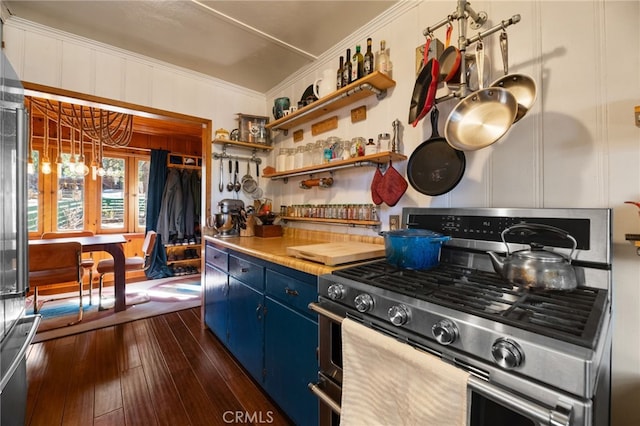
<point x="230" y="185"/>
<point x="236" y="183"/>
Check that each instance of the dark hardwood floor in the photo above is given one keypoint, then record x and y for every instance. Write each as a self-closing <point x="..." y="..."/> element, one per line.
<point x="164" y="370"/>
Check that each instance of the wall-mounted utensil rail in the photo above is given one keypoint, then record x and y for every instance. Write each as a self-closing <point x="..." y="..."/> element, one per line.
<point x="224" y="156"/>
<point x="463" y="14"/>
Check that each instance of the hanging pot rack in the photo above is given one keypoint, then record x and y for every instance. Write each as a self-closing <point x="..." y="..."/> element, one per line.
<point x="464" y="14"/>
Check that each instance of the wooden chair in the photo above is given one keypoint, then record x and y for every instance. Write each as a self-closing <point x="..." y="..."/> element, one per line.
<point x="133" y="263"/>
<point x="87" y="262"/>
<point x="55" y="263"/>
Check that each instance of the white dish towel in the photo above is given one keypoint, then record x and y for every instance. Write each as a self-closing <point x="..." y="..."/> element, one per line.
<point x="387" y="382"/>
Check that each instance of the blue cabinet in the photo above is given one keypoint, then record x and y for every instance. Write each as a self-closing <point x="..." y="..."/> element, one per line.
<point x="216" y="287"/>
<point x="246" y="326"/>
<point x="259" y="311"/>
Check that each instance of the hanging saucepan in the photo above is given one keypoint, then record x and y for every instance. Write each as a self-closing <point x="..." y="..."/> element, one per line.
<point x="449" y="59"/>
<point x="435" y="167"/>
<point x="521" y="86"/>
<point x="482" y="117"/>
<point x="424" y="90"/>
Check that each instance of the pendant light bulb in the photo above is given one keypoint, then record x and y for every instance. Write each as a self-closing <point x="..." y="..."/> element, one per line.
<point x="101" y="172"/>
<point x="46" y="166"/>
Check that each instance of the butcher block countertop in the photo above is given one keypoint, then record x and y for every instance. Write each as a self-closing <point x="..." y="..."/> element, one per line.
<point x="275" y="249"/>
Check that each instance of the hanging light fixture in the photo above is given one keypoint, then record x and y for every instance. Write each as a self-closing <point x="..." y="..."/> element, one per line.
<point x="59" y="143"/>
<point x="81" y="166"/>
<point x="100" y="171"/>
<point x="115" y="128"/>
<point x="46" y="164"/>
<point x="30" y="165"/>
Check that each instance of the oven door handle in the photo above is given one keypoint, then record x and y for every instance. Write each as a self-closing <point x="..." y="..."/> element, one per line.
<point x="315" y="307"/>
<point x="324" y="397"/>
<point x="541" y="415"/>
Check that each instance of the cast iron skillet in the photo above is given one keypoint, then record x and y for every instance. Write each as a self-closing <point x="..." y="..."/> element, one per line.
<point x="435" y="168"/>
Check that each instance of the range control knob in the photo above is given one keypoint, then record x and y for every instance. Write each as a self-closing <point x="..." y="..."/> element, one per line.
<point x="399" y="315"/>
<point x="364" y="302"/>
<point x="445" y="332"/>
<point x="336" y="291"/>
<point x="507" y="353"/>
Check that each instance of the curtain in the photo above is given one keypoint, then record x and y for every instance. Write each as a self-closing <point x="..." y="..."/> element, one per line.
<point x="157" y="178"/>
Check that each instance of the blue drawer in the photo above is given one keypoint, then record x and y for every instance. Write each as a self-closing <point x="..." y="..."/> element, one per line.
<point x="248" y="272"/>
<point x="216" y="257"/>
<point x="291" y="291"/>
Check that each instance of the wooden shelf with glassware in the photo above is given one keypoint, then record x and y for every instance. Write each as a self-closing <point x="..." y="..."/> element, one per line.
<point x="378" y="158"/>
<point x="375" y="83"/>
<point x="240" y="144"/>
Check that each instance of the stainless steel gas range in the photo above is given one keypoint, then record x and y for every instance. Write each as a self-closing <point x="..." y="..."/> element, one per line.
<point x="536" y="357"/>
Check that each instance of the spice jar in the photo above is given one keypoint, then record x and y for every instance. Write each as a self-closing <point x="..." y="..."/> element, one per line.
<point x="357" y="146"/>
<point x="384" y="142"/>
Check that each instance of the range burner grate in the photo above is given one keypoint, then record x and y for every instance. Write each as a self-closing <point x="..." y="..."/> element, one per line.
<point x="571" y="316"/>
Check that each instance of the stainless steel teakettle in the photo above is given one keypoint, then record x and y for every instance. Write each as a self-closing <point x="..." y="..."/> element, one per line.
<point x="537" y="268"/>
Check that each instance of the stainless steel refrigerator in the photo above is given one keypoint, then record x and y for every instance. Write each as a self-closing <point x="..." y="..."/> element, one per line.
<point x="16" y="329"/>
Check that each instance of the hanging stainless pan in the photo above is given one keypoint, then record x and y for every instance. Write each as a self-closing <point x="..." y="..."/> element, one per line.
<point x="521" y="86"/>
<point x="482" y="117"/>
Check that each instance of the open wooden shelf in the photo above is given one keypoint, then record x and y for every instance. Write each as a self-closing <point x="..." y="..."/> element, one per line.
<point x="375" y="83"/>
<point x="240" y="144"/>
<point x="379" y="158"/>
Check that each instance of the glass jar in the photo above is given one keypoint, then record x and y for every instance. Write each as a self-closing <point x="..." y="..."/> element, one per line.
<point x="357" y="146"/>
<point x="384" y="142"/>
<point x="318" y="152"/>
<point x="281" y="160"/>
<point x="290" y="159"/>
<point x="298" y="158"/>
<point x="371" y="148"/>
<point x="308" y="154"/>
<point x="333" y="143"/>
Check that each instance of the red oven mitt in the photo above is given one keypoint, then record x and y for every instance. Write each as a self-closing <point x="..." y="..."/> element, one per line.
<point x="392" y="187"/>
<point x="375" y="183"/>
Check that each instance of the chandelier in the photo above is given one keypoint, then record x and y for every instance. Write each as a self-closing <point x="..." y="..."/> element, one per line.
<point x="110" y="127"/>
<point x="100" y="126"/>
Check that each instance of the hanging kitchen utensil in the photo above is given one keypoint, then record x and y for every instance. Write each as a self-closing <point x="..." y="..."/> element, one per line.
<point x="483" y="117"/>
<point x="435" y="167"/>
<point x="249" y="185"/>
<point x="221" y="183"/>
<point x="521" y="86"/>
<point x="375" y="183"/>
<point x="236" y="183"/>
<point x="536" y="268"/>
<point x="392" y="187"/>
<point x="424" y="90"/>
<point x="449" y="59"/>
<point x="230" y="185"/>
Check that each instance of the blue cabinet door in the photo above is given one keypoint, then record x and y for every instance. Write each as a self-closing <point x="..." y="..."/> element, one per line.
<point x="290" y="361"/>
<point x="215" y="299"/>
<point x="246" y="326"/>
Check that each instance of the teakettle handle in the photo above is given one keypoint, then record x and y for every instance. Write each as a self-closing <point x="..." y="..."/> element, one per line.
<point x="541" y="227"/>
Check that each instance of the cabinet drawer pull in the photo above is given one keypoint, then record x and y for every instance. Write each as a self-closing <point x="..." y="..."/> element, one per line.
<point x="258" y="311"/>
<point x="244" y="270"/>
<point x="290" y="292"/>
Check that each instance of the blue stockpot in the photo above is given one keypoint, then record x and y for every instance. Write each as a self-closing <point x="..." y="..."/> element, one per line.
<point x="413" y="248"/>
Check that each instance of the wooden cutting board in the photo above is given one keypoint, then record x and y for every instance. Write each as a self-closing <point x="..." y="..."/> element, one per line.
<point x="337" y="253"/>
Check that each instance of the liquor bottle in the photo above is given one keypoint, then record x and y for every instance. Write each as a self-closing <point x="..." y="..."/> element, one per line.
<point x="357" y="65"/>
<point x="368" y="63"/>
<point x="346" y="72"/>
<point x="339" y="74"/>
<point x="382" y="59"/>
